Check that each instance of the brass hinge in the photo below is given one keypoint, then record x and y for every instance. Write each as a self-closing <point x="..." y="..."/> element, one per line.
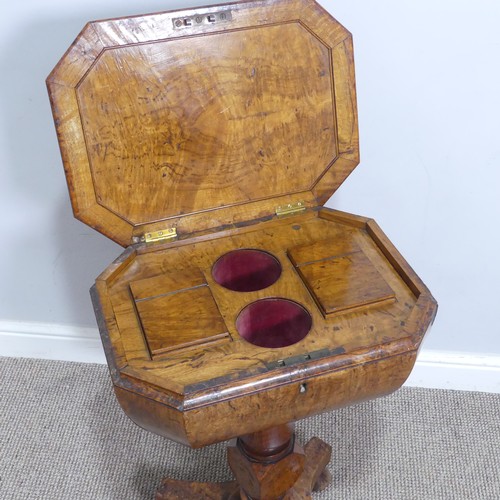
<point x="290" y="208"/>
<point x="161" y="235"/>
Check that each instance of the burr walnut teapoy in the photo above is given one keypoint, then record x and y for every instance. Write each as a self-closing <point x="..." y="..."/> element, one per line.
<point x="206" y="142"/>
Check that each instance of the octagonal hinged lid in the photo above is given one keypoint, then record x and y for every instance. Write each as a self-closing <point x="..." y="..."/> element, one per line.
<point x="200" y="118"/>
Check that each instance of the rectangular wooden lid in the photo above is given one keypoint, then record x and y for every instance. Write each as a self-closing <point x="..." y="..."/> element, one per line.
<point x="205" y="117"/>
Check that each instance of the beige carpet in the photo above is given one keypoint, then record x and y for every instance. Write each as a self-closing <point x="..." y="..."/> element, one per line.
<point x="63" y="436"/>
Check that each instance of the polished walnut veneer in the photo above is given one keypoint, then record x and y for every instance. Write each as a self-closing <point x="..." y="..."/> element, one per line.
<point x="178" y="360"/>
<point x="205" y="126"/>
<point x="226" y="128"/>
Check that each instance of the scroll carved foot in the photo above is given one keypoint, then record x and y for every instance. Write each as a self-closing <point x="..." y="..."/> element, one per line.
<point x="172" y="489"/>
<point x="314" y="477"/>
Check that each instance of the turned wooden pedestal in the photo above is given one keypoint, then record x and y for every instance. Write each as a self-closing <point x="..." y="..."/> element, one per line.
<point x="267" y="465"/>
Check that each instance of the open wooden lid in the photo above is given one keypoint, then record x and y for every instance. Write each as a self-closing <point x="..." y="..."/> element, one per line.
<point x="200" y="118"/>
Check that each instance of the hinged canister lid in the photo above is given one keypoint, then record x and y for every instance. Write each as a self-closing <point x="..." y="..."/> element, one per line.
<point x="199" y="118"/>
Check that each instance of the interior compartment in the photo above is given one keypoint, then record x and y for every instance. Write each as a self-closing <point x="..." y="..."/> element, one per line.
<point x="154" y="346"/>
<point x="340" y="276"/>
<point x="246" y="270"/>
<point x="177" y="311"/>
<point x="273" y="322"/>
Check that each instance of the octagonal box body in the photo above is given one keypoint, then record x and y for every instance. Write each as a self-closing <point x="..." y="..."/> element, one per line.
<point x="206" y="142"/>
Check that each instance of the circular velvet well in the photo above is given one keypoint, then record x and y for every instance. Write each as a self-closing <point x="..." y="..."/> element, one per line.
<point x="246" y="270"/>
<point x="273" y="322"/>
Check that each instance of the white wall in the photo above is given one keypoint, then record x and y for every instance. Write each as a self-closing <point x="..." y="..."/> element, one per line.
<point x="428" y="93"/>
<point x="428" y="77"/>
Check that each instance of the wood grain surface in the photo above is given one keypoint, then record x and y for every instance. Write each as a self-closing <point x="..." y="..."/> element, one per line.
<point x="364" y="347"/>
<point x="207" y="127"/>
<point x="313" y="477"/>
<point x="340" y="281"/>
<point x="212" y="124"/>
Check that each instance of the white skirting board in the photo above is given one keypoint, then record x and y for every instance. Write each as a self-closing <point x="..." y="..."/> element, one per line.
<point x="434" y="369"/>
<point x="50" y="341"/>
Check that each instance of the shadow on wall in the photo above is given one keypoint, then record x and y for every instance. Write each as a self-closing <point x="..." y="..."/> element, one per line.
<point x="47" y="269"/>
<point x="51" y="260"/>
<point x="52" y="263"/>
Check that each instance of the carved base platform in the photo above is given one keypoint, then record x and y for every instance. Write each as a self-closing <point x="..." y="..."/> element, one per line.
<point x="268" y="465"/>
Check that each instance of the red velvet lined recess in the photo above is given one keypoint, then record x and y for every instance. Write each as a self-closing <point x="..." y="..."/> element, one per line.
<point x="246" y="270"/>
<point x="273" y="323"/>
